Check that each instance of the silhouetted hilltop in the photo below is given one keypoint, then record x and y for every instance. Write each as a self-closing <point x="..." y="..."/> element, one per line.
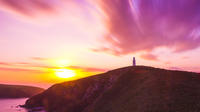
<point x="18" y="91"/>
<point x="129" y="89"/>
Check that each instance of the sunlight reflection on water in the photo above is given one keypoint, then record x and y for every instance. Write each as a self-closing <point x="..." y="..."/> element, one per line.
<point x="11" y="105"/>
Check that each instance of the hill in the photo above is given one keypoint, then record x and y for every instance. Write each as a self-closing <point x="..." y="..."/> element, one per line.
<point x="18" y="91"/>
<point x="129" y="89"/>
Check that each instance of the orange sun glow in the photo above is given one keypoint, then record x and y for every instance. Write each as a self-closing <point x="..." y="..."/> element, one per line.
<point x="65" y="73"/>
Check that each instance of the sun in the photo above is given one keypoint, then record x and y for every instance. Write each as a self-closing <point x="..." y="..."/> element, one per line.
<point x="65" y="73"/>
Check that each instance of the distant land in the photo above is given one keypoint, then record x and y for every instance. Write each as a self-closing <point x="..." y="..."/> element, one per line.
<point x="129" y="89"/>
<point x="18" y="91"/>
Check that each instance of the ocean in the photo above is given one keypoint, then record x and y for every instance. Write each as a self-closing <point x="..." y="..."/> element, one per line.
<point x="12" y="105"/>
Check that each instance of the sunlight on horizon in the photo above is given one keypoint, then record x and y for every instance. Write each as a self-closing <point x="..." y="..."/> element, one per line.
<point x="60" y="62"/>
<point x="65" y="73"/>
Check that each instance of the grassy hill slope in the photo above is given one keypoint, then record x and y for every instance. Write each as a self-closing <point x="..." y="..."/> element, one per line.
<point x="129" y="89"/>
<point x="18" y="91"/>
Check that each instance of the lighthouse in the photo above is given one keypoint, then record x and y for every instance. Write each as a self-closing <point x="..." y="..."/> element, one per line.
<point x="134" y="61"/>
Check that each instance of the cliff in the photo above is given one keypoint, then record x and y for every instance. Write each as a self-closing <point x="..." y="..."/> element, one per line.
<point x="129" y="89"/>
<point x="18" y="91"/>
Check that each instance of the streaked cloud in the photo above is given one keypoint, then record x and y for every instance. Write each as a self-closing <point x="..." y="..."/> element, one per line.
<point x="20" y="69"/>
<point x="39" y="58"/>
<point x="131" y="26"/>
<point x="88" y="69"/>
<point x="29" y="7"/>
<point x="23" y="66"/>
<point x="4" y="63"/>
<point x="144" y="25"/>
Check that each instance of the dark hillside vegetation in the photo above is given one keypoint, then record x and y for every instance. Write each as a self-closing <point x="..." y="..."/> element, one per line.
<point x="129" y="89"/>
<point x="18" y="91"/>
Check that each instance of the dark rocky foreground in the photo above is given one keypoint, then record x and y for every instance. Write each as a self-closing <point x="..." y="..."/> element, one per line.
<point x="129" y="89"/>
<point x="18" y="91"/>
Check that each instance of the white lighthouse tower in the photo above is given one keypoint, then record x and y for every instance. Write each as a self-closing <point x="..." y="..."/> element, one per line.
<point x="134" y="61"/>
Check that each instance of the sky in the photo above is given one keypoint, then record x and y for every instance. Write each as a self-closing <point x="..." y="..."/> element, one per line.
<point x="39" y="37"/>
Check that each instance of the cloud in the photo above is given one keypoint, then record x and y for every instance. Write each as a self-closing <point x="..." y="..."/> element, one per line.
<point x="45" y="8"/>
<point x="25" y="65"/>
<point x="185" y="68"/>
<point x="4" y="63"/>
<point x="20" y="70"/>
<point x="144" y="25"/>
<point x="87" y="69"/>
<point x="12" y="64"/>
<point x="29" y="7"/>
<point x="185" y="57"/>
<point x="22" y="66"/>
<point x="22" y="63"/>
<point x="175" y="68"/>
<point x="167" y="62"/>
<point x="149" y="56"/>
<point x="39" y="58"/>
<point x="132" y="26"/>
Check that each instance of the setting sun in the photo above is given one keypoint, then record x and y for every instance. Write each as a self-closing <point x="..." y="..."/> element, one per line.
<point x="65" y="73"/>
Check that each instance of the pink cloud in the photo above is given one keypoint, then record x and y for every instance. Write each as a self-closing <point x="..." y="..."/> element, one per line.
<point x="19" y="69"/>
<point x="144" y="25"/>
<point x="167" y="63"/>
<point x="189" y="69"/>
<point x="4" y="63"/>
<point x="22" y="63"/>
<point x="88" y="69"/>
<point x="175" y="68"/>
<point x="29" y="7"/>
<point x="185" y="57"/>
<point x="35" y="8"/>
<point x="150" y="57"/>
<point x="19" y="65"/>
<point x="39" y="58"/>
<point x="131" y="25"/>
<point x="12" y="64"/>
<point x="25" y="64"/>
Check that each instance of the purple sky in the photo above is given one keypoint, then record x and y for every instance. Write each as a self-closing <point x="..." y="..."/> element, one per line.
<point x="98" y="34"/>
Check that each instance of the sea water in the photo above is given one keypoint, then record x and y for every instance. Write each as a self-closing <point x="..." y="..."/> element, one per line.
<point x="12" y="105"/>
